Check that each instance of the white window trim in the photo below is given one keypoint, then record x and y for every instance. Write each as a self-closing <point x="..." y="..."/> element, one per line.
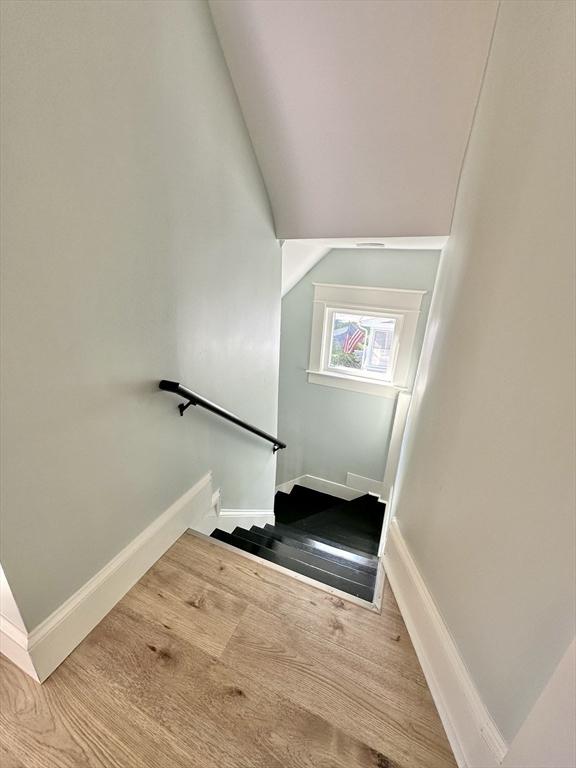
<point x="402" y="304"/>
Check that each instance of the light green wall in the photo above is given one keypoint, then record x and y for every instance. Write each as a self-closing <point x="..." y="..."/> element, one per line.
<point x="331" y="431"/>
<point x="137" y="245"/>
<point x="485" y="492"/>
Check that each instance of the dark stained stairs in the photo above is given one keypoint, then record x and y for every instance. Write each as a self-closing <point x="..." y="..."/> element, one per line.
<point x="326" y="538"/>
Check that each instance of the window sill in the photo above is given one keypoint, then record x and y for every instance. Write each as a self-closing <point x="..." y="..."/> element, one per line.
<point x="355" y="384"/>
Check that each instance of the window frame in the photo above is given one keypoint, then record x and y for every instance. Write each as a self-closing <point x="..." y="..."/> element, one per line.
<point x="400" y="304"/>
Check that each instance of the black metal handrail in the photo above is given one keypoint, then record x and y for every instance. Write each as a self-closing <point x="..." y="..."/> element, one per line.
<point x="195" y="399"/>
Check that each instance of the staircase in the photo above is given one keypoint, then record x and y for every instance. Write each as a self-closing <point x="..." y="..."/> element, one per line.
<point x="321" y="536"/>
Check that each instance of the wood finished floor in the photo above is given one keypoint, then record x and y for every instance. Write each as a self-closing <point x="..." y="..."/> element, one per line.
<point x="215" y="661"/>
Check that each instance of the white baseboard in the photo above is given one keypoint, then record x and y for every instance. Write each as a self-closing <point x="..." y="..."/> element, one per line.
<point x="230" y="518"/>
<point x="13" y="632"/>
<point x="379" y="586"/>
<point x="364" y="484"/>
<point x="319" y="484"/>
<point x="473" y="735"/>
<point x="40" y="651"/>
<point x="289" y="484"/>
<point x="14" y="645"/>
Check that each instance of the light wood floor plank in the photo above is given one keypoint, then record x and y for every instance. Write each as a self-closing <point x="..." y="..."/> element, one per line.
<point x="389" y="712"/>
<point x="7" y="759"/>
<point x="381" y="638"/>
<point x="237" y="720"/>
<point x="215" y="661"/>
<point x="66" y="723"/>
<point x="197" y="611"/>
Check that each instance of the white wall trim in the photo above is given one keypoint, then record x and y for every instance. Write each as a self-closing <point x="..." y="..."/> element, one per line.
<point x="364" y="484"/>
<point x="287" y="486"/>
<point x="353" y="383"/>
<point x="396" y="436"/>
<point x="50" y="642"/>
<point x="14" y="645"/>
<point x="244" y="518"/>
<point x="472" y="733"/>
<point x="13" y="632"/>
<point x="8" y="608"/>
<point x="246" y="512"/>
<point x="402" y="304"/>
<point x="336" y="291"/>
<point x="228" y="519"/>
<point x="379" y="586"/>
<point x="319" y="484"/>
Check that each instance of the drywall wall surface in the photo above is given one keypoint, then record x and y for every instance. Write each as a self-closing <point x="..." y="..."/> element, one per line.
<point x="485" y="492"/>
<point x="137" y="244"/>
<point x="329" y="431"/>
<point x="547" y="738"/>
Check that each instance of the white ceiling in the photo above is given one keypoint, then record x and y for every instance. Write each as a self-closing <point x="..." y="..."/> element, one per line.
<point x="359" y="110"/>
<point x="299" y="256"/>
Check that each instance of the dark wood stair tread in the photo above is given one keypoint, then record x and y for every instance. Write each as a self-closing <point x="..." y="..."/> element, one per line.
<point x="295" y="551"/>
<point x="292" y="563"/>
<point x="300" y="533"/>
<point x="342" y="535"/>
<point x="357" y="523"/>
<point x="323" y="548"/>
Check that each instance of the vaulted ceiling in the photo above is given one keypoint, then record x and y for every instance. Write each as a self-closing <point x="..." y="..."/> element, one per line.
<point x="359" y="110"/>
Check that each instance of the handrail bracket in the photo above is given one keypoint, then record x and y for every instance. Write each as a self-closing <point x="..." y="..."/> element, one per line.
<point x="182" y="406"/>
<point x="193" y="398"/>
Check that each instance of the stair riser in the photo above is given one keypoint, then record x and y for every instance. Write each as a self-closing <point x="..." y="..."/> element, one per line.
<point x="356" y="523"/>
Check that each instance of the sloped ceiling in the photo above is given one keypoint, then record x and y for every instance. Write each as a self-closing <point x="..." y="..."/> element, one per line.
<point x="359" y="110"/>
<point x="300" y="256"/>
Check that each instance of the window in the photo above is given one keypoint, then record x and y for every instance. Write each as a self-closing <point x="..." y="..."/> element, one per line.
<point x="362" y="338"/>
<point x="362" y="344"/>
